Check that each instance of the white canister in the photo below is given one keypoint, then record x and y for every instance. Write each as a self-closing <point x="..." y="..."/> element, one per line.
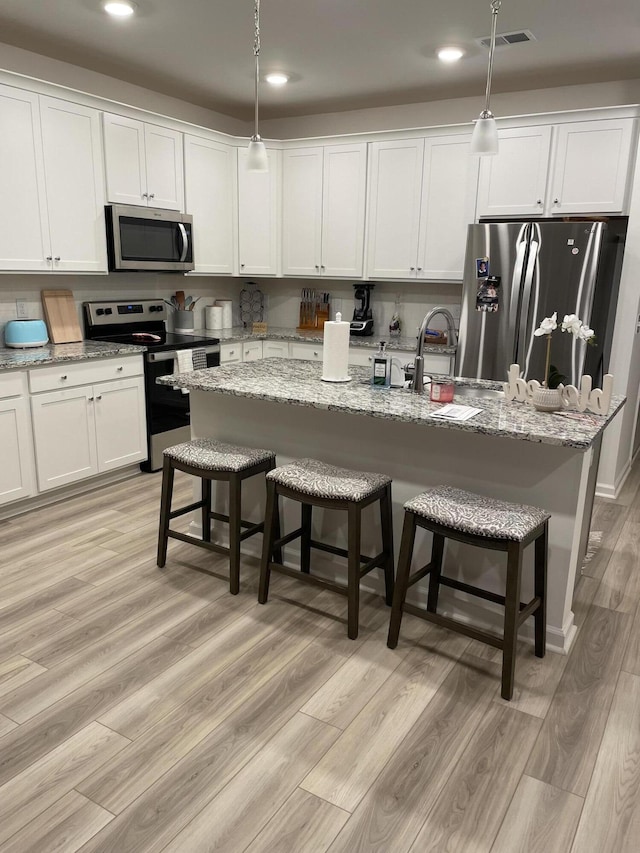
<point x="213" y="317"/>
<point x="227" y="312"/>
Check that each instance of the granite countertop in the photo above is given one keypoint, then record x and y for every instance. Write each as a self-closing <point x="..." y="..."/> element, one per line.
<point x="54" y="353"/>
<point x="284" y="333"/>
<point x="299" y="383"/>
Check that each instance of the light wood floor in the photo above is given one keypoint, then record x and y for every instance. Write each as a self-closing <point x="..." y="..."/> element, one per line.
<point x="147" y="710"/>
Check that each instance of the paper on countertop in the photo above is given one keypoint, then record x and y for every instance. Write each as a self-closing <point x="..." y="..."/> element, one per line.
<point x="453" y="412"/>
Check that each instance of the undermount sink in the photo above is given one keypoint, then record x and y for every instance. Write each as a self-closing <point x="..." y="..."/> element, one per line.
<point x="478" y="393"/>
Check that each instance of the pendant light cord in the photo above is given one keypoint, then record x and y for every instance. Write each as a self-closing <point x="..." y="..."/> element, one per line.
<point x="256" y="53"/>
<point x="495" y="8"/>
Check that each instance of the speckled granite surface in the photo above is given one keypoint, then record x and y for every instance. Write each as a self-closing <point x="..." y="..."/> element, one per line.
<point x="53" y="353"/>
<point x="299" y="383"/>
<point x="283" y="333"/>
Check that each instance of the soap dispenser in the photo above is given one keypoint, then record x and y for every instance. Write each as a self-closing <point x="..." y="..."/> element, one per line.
<point x="381" y="375"/>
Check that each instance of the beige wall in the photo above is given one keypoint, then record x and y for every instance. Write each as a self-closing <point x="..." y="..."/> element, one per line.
<point x="456" y="110"/>
<point x="82" y="79"/>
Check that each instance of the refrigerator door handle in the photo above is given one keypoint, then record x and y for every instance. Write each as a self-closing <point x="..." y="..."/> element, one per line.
<point x="516" y="286"/>
<point x="529" y="310"/>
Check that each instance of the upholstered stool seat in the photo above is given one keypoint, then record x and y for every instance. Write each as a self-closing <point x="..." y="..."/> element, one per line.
<point x="212" y="460"/>
<point x="450" y="513"/>
<point x="311" y="482"/>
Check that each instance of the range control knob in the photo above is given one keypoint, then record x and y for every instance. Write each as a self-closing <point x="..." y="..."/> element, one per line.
<point x="100" y="311"/>
<point x="108" y="311"/>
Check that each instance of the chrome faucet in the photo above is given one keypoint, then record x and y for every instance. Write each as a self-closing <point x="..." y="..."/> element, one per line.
<point x="452" y="340"/>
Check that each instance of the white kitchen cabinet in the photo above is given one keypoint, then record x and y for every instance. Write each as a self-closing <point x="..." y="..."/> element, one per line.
<point x="323" y="210"/>
<point x="252" y="350"/>
<point x="52" y="184"/>
<point x="17" y="469"/>
<point x="230" y="353"/>
<point x="570" y="168"/>
<point x="275" y="349"/>
<point x="211" y="198"/>
<point x="144" y="163"/>
<point x="592" y="160"/>
<point x="83" y="429"/>
<point x="307" y="352"/>
<point x="259" y="217"/>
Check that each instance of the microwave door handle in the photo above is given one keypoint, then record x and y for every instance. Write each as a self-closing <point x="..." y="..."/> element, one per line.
<point x="185" y="242"/>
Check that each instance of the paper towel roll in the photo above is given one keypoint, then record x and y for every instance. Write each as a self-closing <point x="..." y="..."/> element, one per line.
<point x="335" y="353"/>
<point x="227" y="312"/>
<point x="213" y="317"/>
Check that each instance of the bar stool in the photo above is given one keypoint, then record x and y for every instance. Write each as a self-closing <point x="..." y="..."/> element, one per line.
<point x="316" y="484"/>
<point x="487" y="523"/>
<point x="212" y="460"/>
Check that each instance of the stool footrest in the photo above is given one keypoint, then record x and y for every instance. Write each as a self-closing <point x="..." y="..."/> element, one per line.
<point x="527" y="609"/>
<point x="193" y="540"/>
<point x="284" y="540"/>
<point x="250" y="531"/>
<point x="220" y="516"/>
<point x="374" y="563"/>
<point x="455" y="625"/>
<point x="312" y="579"/>
<point x="417" y="576"/>
<point x="185" y="509"/>
<point x="472" y="590"/>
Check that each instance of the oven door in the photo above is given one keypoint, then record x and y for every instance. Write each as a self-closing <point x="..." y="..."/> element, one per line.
<point x="146" y="238"/>
<point x="168" y="415"/>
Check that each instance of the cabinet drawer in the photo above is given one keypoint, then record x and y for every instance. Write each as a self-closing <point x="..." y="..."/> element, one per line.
<point x="310" y="352"/>
<point x="12" y="384"/>
<point x="252" y="351"/>
<point x="65" y="375"/>
<point x="275" y="349"/>
<point x="230" y="353"/>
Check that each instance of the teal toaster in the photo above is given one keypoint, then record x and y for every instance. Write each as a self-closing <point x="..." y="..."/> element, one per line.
<point x="25" y="333"/>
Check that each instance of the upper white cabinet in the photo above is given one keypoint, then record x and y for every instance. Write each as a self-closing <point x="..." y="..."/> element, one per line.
<point x="323" y="210"/>
<point x="259" y="217"/>
<point x="210" y="183"/>
<point x="144" y="163"/>
<point x="420" y="203"/>
<point x="577" y="167"/>
<point x="51" y="171"/>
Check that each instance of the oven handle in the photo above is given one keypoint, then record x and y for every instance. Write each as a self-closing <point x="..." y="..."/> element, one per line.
<point x="172" y="354"/>
<point x="185" y="242"/>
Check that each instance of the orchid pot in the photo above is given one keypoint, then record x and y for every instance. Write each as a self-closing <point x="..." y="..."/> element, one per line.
<point x="549" y="397"/>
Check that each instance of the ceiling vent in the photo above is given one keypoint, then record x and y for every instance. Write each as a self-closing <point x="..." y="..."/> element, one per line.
<point x="506" y="39"/>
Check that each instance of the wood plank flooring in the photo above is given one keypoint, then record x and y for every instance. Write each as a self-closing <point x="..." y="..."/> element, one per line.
<point x="148" y="710"/>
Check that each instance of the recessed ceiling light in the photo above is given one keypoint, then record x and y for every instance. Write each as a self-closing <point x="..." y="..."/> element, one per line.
<point x="450" y="54"/>
<point x="277" y="79"/>
<point x="119" y="8"/>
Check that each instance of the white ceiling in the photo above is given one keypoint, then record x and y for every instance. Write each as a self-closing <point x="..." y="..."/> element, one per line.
<point x="342" y="54"/>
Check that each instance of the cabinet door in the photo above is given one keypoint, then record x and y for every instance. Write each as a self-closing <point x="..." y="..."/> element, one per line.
<point x="16" y="471"/>
<point x="275" y="349"/>
<point x="24" y="226"/>
<point x="210" y="177"/>
<point x="230" y="353"/>
<point x="306" y="352"/>
<point x="65" y="436"/>
<point x="448" y="197"/>
<point x="75" y="186"/>
<point x="513" y="182"/>
<point x="394" y="208"/>
<point x="252" y="351"/>
<point x="343" y="206"/>
<point x="302" y="211"/>
<point x="591" y="166"/>
<point x="259" y="216"/>
<point x="165" y="171"/>
<point x="125" y="160"/>
<point x="121" y="435"/>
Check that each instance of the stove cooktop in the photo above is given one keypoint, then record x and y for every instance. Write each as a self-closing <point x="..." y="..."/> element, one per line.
<point x="158" y="340"/>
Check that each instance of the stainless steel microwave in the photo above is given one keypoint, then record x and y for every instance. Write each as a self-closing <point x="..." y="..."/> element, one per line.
<point x="148" y="239"/>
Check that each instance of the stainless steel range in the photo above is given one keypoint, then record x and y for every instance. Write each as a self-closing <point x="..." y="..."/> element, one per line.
<point x="143" y="322"/>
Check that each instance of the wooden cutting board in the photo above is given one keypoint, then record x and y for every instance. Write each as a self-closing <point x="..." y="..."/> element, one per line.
<point x="61" y="316"/>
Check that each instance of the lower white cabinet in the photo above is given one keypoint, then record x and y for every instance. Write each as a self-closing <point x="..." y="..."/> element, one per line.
<point x="310" y="352"/>
<point x="88" y="430"/>
<point x="230" y="353"/>
<point x="252" y="350"/>
<point x="275" y="349"/>
<point x="16" y="471"/>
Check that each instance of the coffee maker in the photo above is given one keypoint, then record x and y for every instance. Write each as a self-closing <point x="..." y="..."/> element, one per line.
<point x="362" y="322"/>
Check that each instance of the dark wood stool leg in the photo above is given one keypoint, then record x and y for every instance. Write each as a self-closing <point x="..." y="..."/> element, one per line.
<point x="271" y="525"/>
<point x="353" y="579"/>
<point x="386" y="527"/>
<point x="437" y="551"/>
<point x="305" y="539"/>
<point x="235" y="507"/>
<point x="511" y="613"/>
<point x="540" y="591"/>
<point x="165" y="510"/>
<point x="402" y="577"/>
<point x="206" y="509"/>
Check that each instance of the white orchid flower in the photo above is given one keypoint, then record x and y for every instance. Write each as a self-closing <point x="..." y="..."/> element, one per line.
<point x="572" y="323"/>
<point x="548" y="325"/>
<point x="586" y="333"/>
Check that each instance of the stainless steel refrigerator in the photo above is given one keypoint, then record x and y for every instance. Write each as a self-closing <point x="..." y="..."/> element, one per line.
<point x="517" y="273"/>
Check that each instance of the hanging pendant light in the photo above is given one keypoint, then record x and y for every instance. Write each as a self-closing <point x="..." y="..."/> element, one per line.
<point x="257" y="160"/>
<point x="485" y="133"/>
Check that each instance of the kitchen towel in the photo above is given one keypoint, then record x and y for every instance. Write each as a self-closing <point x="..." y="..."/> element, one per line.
<point x="199" y="358"/>
<point x="183" y="363"/>
<point x="335" y="353"/>
<point x="227" y="312"/>
<point x="213" y="317"/>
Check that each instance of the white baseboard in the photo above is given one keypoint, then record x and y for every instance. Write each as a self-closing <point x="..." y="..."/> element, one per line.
<point x="611" y="491"/>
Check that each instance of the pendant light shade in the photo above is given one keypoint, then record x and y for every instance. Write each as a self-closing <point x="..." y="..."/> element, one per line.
<point x="485" y="133"/>
<point x="257" y="160"/>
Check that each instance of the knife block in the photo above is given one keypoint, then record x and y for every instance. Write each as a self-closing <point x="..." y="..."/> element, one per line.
<point x="320" y="317"/>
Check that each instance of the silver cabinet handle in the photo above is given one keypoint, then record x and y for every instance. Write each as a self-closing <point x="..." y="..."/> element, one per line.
<point x="119" y="368"/>
<point x="57" y="258"/>
<point x="556" y="201"/>
<point x="419" y="269"/>
<point x="412" y="268"/>
<point x="242" y="265"/>
<point x="49" y="258"/>
<point x="322" y="266"/>
<point x="539" y="201"/>
<point x="145" y="195"/>
<point x="317" y="266"/>
<point x="315" y="352"/>
<point x="64" y="376"/>
<point x="185" y="240"/>
<point x="90" y="399"/>
<point x="99" y="397"/>
<point x="152" y="195"/>
<point x="232" y="352"/>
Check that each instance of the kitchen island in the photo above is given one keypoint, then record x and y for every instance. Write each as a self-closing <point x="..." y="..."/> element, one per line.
<point x="507" y="451"/>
